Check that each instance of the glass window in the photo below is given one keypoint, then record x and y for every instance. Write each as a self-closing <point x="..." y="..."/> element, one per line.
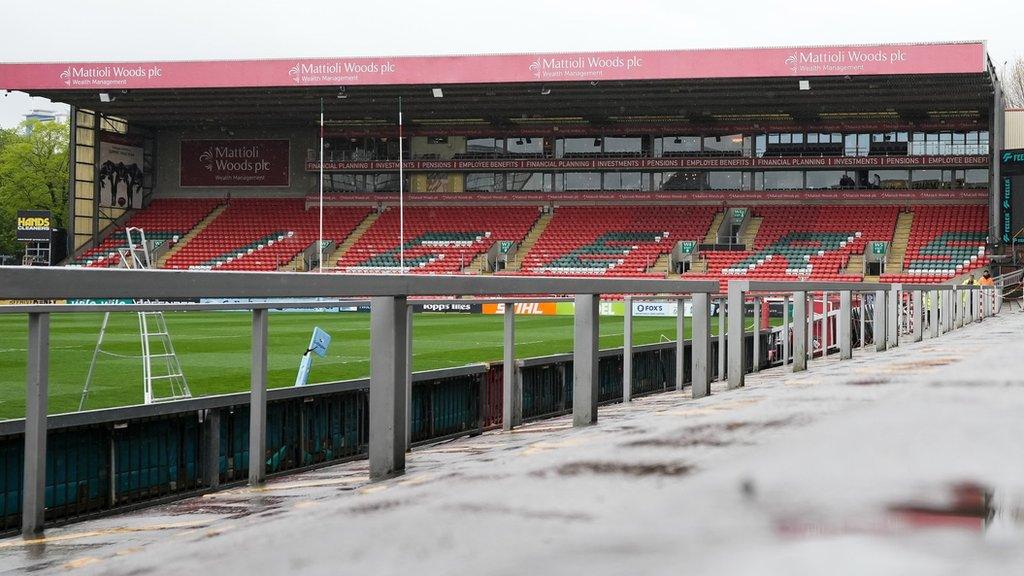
<point x="728" y="180"/>
<point x="983" y="142"/>
<point x="485" y="146"/>
<point x="681" y="180"/>
<point x="883" y="178"/>
<point x="760" y="144"/>
<point x="346" y="183"/>
<point x="570" y="147"/>
<point x="627" y="145"/>
<point x="484" y="181"/>
<point x="819" y="179"/>
<point x="385" y="183"/>
<point x="626" y="181"/>
<point x="528" y="182"/>
<point x="728" y="145"/>
<point x="975" y="178"/>
<point x="578" y="181"/>
<point x="525" y="146"/>
<point x="928" y="179"/>
<point x="680" y="145"/>
<point x="779" y="180"/>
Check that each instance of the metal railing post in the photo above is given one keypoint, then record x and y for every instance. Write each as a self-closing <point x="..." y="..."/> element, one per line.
<point x="680" y="343"/>
<point x="810" y="326"/>
<point x="756" y="364"/>
<point x="408" y="379"/>
<point x="258" y="400"/>
<point x="881" y="323"/>
<point x="585" y="359"/>
<point x="211" y="423"/>
<point x="737" y="348"/>
<point x="933" y="318"/>
<point x="388" y="375"/>
<point x="892" y="330"/>
<point x="33" y="498"/>
<point x="845" y="327"/>
<point x="918" y="316"/>
<point x="824" y="324"/>
<point x="958" y="305"/>
<point x="944" y="312"/>
<point x="722" y="372"/>
<point x="863" y="320"/>
<point x="511" y="389"/>
<point x="997" y="298"/>
<point x="700" y="347"/>
<point x="799" y="331"/>
<point x="785" y="330"/>
<point x="627" y="350"/>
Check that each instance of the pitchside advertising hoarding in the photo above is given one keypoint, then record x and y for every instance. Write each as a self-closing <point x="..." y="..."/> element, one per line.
<point x="121" y="170"/>
<point x="234" y="163"/>
<point x="34" y="226"/>
<point x="1011" y="194"/>
<point x="876" y="59"/>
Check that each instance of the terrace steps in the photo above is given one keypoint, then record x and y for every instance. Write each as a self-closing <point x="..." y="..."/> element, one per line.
<point x="855" y="265"/>
<point x="660" y="265"/>
<point x="206" y="221"/>
<point x="351" y="239"/>
<point x="712" y="236"/>
<point x="751" y="232"/>
<point x="898" y="246"/>
<point x="477" y="265"/>
<point x="698" y="268"/>
<point x="531" y="238"/>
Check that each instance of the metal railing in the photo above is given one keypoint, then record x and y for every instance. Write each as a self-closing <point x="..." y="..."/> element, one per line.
<point x="384" y="415"/>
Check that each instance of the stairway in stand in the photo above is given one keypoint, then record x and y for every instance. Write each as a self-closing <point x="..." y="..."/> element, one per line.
<point x="191" y="234"/>
<point x="898" y="246"/>
<point x="660" y="265"/>
<point x="531" y="238"/>
<point x="335" y="257"/>
<point x="477" y="265"/>
<point x="751" y="232"/>
<point x="712" y="235"/>
<point x="855" y="265"/>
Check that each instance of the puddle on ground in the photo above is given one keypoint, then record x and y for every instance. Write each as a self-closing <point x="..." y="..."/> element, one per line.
<point x="375" y="507"/>
<point x="638" y="470"/>
<point x="520" y="512"/>
<point x="714" y="435"/>
<point x="964" y="506"/>
<point x="869" y="382"/>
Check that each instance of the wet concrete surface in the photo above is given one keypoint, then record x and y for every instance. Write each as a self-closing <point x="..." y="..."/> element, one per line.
<point x="902" y="462"/>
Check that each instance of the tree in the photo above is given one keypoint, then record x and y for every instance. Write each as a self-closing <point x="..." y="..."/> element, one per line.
<point x="33" y="175"/>
<point x="1013" y="83"/>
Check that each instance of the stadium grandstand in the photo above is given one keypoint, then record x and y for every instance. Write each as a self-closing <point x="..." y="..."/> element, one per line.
<point x="824" y="162"/>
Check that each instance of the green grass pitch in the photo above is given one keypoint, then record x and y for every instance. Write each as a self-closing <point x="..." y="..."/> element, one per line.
<point x="213" y="348"/>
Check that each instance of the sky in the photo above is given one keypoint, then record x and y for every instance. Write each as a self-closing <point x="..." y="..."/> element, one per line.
<point x="71" y="30"/>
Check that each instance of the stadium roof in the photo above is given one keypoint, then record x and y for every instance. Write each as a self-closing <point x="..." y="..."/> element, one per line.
<point x="882" y="82"/>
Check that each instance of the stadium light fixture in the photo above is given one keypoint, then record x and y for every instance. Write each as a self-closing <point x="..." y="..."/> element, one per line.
<point x="342" y="94"/>
<point x="805" y="84"/>
<point x="544" y="90"/>
<point x="105" y="97"/>
<point x="437" y="92"/>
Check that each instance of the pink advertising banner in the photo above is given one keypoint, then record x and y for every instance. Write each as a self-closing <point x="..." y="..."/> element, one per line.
<point x="725" y="162"/>
<point x="974" y="195"/>
<point x="879" y="59"/>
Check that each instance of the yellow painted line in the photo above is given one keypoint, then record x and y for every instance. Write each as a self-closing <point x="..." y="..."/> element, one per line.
<point x="14" y="543"/>
<point x="374" y="489"/>
<point x="81" y="562"/>
<point x="312" y="483"/>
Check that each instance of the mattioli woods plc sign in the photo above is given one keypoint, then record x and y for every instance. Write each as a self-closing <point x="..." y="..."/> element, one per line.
<point x="109" y="76"/>
<point x="844" y="60"/>
<point x="582" y="67"/>
<point x="234" y="163"/>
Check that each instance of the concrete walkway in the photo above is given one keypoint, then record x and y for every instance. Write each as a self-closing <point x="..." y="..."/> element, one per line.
<point x="903" y="462"/>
